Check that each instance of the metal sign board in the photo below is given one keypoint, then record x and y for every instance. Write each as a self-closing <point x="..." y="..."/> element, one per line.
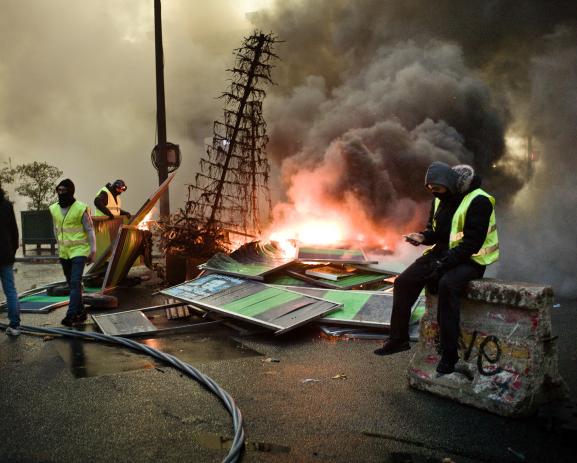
<point x="226" y="265"/>
<point x="105" y="230"/>
<point x="361" y="308"/>
<point x="341" y="256"/>
<point x="148" y="321"/>
<point x="41" y="302"/>
<point x="356" y="280"/>
<point x="272" y="307"/>
<point x="128" y="246"/>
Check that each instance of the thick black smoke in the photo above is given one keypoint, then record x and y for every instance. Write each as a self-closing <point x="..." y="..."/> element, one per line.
<point x="380" y="89"/>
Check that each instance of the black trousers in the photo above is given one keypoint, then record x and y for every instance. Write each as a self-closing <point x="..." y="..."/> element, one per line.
<point x="451" y="285"/>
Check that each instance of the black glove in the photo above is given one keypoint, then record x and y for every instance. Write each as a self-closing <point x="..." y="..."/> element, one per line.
<point x="438" y="268"/>
<point x="110" y="216"/>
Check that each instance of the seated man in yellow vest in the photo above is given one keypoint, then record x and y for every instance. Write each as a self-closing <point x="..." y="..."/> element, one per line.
<point x="463" y="231"/>
<point x="108" y="202"/>
<point x="76" y="246"/>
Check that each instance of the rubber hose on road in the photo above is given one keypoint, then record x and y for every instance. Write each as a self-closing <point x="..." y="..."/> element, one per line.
<point x="237" y="446"/>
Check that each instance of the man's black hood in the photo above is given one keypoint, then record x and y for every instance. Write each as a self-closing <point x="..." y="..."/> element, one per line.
<point x="440" y="173"/>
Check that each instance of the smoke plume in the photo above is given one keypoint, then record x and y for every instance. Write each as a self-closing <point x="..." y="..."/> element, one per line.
<point x="371" y="92"/>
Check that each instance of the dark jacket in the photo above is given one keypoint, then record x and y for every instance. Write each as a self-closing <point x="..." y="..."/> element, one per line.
<point x="475" y="229"/>
<point x="101" y="201"/>
<point x="8" y="232"/>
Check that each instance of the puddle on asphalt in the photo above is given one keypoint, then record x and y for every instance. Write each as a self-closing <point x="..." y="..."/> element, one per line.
<point x="197" y="347"/>
<point x="88" y="359"/>
<point x="217" y="442"/>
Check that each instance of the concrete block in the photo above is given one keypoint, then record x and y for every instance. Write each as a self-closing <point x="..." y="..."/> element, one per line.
<point x="508" y="356"/>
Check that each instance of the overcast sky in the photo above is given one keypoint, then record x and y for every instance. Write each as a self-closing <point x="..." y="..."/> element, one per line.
<point x="77" y="86"/>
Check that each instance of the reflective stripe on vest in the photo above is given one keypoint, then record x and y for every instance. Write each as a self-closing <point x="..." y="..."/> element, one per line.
<point x="489" y="251"/>
<point x="112" y="204"/>
<point x="72" y="238"/>
<point x="459" y="236"/>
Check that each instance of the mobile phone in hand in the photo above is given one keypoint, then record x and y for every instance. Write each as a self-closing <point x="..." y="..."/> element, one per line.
<point x="411" y="240"/>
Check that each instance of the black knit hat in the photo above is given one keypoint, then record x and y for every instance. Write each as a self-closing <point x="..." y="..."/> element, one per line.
<point x="69" y="186"/>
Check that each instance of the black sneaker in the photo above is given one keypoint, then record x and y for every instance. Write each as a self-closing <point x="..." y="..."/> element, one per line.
<point x="392" y="346"/>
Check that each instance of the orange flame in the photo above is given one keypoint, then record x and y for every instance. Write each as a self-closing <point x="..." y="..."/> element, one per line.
<point x="315" y="215"/>
<point x="147" y="222"/>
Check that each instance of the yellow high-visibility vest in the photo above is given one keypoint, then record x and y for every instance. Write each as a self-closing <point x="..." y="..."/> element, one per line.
<point x="489" y="252"/>
<point x="72" y="238"/>
<point x="113" y="204"/>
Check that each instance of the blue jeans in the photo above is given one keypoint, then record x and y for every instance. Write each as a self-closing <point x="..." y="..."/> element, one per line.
<point x="73" y="269"/>
<point x="7" y="277"/>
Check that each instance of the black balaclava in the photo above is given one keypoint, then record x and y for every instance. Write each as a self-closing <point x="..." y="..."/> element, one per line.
<point x="440" y="173"/>
<point x="66" y="199"/>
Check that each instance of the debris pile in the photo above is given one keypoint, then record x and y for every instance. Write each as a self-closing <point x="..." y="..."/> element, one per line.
<point x="259" y="284"/>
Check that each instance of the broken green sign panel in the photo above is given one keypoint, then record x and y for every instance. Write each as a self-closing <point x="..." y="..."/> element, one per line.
<point x="149" y="321"/>
<point x="272" y="307"/>
<point x="129" y="244"/>
<point x="255" y="270"/>
<point x="341" y="256"/>
<point x="105" y="230"/>
<point x="41" y="302"/>
<point x="284" y="279"/>
<point x="356" y="280"/>
<point x="361" y="308"/>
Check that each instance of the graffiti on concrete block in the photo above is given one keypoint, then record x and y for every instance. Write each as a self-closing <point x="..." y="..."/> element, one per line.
<point x="489" y="351"/>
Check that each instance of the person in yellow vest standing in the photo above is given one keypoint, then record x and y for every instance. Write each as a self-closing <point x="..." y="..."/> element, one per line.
<point x="462" y="230"/>
<point x="108" y="201"/>
<point x="76" y="246"/>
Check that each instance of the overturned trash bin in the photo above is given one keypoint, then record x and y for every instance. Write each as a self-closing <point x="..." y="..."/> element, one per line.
<point x="507" y="355"/>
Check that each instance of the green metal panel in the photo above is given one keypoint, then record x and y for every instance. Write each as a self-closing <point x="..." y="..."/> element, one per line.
<point x="226" y="265"/>
<point x="332" y="255"/>
<point x="352" y="303"/>
<point x="251" y="301"/>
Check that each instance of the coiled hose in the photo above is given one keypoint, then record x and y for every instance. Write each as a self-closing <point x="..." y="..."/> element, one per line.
<point x="237" y="445"/>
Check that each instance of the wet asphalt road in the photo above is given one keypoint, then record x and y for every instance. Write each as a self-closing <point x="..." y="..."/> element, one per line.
<point x="63" y="401"/>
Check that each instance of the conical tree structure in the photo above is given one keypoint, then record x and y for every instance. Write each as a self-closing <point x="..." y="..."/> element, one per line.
<point x="232" y="186"/>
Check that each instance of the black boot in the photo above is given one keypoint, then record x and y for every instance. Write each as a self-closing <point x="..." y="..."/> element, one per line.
<point x="67" y="321"/>
<point x="448" y="361"/>
<point x="392" y="346"/>
<point x="79" y="318"/>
